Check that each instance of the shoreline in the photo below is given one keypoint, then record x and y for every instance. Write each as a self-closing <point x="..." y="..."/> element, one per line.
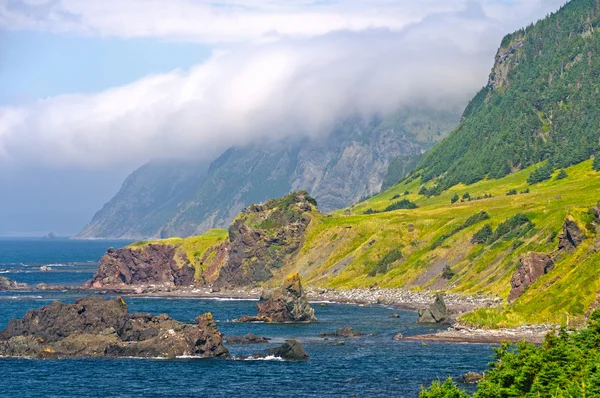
<point x="397" y="298"/>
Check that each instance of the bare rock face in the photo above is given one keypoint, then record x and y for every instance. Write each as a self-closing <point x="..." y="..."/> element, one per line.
<point x="531" y="267"/>
<point x="436" y="313"/>
<point x="95" y="327"/>
<point x="262" y="236"/>
<point x="260" y="240"/>
<point x="506" y="59"/>
<point x="287" y="304"/>
<point x="150" y="264"/>
<point x="570" y="237"/>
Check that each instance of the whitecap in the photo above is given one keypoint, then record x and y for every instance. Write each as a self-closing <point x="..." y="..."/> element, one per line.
<point x="267" y="358"/>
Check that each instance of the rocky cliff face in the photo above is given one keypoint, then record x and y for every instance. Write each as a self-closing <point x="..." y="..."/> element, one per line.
<point x="259" y="242"/>
<point x="95" y="327"/>
<point x="531" y="267"/>
<point x="163" y="199"/>
<point x="152" y="264"/>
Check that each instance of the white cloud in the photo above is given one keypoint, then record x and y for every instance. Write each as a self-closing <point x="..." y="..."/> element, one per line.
<point x="219" y="21"/>
<point x="297" y="85"/>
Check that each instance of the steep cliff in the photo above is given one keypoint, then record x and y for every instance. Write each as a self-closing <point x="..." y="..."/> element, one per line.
<point x="177" y="198"/>
<point x="259" y="242"/>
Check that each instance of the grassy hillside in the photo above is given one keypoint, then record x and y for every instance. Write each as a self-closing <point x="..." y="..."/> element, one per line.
<point x="396" y="248"/>
<point x="430" y="247"/>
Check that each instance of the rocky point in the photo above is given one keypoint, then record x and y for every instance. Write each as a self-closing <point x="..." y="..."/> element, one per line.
<point x="93" y="327"/>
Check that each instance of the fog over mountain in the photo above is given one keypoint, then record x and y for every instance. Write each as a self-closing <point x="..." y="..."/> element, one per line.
<point x="277" y="70"/>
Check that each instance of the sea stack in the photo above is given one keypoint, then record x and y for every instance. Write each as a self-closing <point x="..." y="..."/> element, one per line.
<point x="284" y="305"/>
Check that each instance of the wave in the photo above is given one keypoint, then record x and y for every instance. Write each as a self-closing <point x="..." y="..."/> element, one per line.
<point x="267" y="358"/>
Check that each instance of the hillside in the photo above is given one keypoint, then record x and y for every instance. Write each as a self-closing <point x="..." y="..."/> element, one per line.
<point x="178" y="198"/>
<point x="406" y="248"/>
<point x="541" y="102"/>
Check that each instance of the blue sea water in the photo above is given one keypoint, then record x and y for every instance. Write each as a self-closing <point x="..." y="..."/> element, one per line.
<point x="369" y="366"/>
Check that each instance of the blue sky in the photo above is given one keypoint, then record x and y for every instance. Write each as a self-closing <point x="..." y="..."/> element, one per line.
<point x="93" y="89"/>
<point x="37" y="64"/>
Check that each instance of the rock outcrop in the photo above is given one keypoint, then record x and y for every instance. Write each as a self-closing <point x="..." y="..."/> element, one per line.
<point x="286" y="304"/>
<point x="531" y="267"/>
<point x="291" y="350"/>
<point x="435" y="313"/>
<point x="95" y="327"/>
<point x="262" y="236"/>
<point x="472" y="377"/>
<point x="259" y="241"/>
<point x="9" y="284"/>
<point x="570" y="237"/>
<point x="149" y="264"/>
<point x="507" y="58"/>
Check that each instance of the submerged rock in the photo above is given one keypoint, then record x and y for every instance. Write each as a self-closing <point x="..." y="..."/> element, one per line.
<point x="570" y="237"/>
<point x="398" y="336"/>
<point x="287" y="304"/>
<point x="436" y="313"/>
<point x="531" y="267"/>
<point x="95" y="327"/>
<point x="344" y="332"/>
<point x="249" y="338"/>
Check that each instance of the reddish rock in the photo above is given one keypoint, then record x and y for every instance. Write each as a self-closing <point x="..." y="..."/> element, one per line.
<point x="150" y="264"/>
<point x="531" y="267"/>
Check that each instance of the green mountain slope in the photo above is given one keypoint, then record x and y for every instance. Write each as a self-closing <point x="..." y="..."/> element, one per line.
<point x="541" y="102"/>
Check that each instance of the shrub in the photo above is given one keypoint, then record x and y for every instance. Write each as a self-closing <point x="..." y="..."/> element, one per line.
<point x="525" y="190"/>
<point x="454" y="198"/>
<point x="562" y="174"/>
<point x="448" y="273"/>
<point x="383" y="265"/>
<point x="511" y="192"/>
<point x="483" y="235"/>
<point x="565" y="365"/>
<point x="401" y="205"/>
<point x="543" y="173"/>
<point x="370" y="211"/>
<point x="466" y="197"/>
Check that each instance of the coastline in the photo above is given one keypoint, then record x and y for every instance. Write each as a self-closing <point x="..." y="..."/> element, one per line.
<point x="396" y="298"/>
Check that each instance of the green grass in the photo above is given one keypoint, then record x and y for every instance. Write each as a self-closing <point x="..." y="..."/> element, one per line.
<point x="394" y="249"/>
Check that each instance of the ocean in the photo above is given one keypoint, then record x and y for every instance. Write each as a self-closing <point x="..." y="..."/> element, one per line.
<point x="368" y="366"/>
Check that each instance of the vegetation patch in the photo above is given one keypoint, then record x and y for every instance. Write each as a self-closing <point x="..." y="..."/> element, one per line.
<point x="565" y="365"/>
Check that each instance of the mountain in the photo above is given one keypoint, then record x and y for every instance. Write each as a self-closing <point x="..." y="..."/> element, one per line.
<point x="183" y="198"/>
<point x="529" y="235"/>
<point x="540" y="103"/>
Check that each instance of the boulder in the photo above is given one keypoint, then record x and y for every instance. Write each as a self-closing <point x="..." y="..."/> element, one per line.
<point x="291" y="350"/>
<point x="531" y="267"/>
<point x="472" y="377"/>
<point x="570" y="237"/>
<point x="95" y="327"/>
<point x="344" y="332"/>
<point x="286" y="304"/>
<point x="436" y="313"/>
<point x="249" y="338"/>
<point x="398" y="336"/>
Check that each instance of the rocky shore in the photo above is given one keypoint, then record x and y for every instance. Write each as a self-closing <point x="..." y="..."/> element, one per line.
<point x="464" y="334"/>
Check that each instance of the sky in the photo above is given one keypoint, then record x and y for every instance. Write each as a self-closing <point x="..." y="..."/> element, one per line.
<point x="92" y="89"/>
